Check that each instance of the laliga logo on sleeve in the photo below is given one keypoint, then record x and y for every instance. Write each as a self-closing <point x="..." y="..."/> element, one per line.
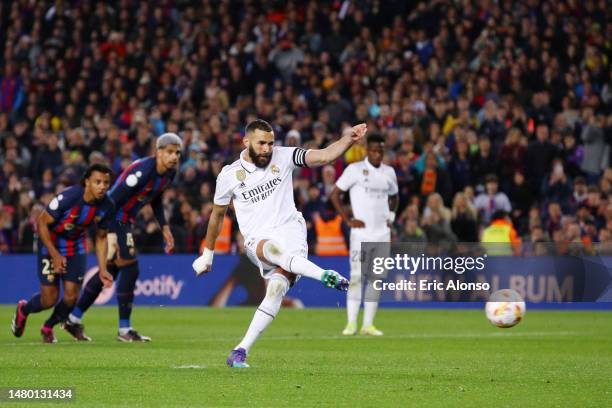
<point x="54" y="204"/>
<point x="132" y="179"/>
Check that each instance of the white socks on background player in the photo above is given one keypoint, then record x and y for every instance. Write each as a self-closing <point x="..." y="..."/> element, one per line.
<point x="353" y="297"/>
<point x="296" y="264"/>
<point x="369" y="311"/>
<point x="353" y="301"/>
<point x="278" y="285"/>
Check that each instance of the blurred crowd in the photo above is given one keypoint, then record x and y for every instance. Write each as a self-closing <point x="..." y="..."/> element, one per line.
<point x="484" y="105"/>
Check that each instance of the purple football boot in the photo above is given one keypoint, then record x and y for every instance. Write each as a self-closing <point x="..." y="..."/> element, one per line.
<point x="237" y="359"/>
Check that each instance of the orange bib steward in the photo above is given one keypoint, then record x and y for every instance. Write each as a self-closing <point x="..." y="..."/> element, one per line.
<point x="223" y="245"/>
<point x="330" y="240"/>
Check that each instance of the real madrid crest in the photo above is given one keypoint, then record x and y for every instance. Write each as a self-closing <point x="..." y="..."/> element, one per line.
<point x="365" y="172"/>
<point x="275" y="169"/>
<point x="240" y="175"/>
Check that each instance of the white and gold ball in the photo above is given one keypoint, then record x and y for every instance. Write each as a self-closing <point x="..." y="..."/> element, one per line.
<point x="505" y="308"/>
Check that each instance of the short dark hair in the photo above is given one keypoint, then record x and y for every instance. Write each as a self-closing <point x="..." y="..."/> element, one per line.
<point x="498" y="215"/>
<point x="580" y="180"/>
<point x="491" y="178"/>
<point x="375" y="138"/>
<point x="258" y="124"/>
<point x="100" y="168"/>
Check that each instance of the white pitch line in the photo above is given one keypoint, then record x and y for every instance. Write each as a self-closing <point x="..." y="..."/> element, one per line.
<point x="191" y="366"/>
<point x="405" y="336"/>
<point x="500" y="333"/>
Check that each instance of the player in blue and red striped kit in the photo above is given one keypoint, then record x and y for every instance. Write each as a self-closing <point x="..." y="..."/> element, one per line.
<point x="143" y="182"/>
<point x="62" y="228"/>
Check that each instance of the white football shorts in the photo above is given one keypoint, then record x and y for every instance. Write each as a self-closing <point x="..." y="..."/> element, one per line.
<point x="292" y="237"/>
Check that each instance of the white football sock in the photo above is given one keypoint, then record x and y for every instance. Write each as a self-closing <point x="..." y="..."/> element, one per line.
<point x="369" y="312"/>
<point x="353" y="296"/>
<point x="274" y="253"/>
<point x="352" y="310"/>
<point x="304" y="267"/>
<point x="278" y="285"/>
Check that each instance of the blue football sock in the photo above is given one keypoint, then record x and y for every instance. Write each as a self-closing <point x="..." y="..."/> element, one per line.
<point x="76" y="312"/>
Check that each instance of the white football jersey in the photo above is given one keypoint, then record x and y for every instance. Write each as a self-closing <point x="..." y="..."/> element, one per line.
<point x="369" y="190"/>
<point x="263" y="197"/>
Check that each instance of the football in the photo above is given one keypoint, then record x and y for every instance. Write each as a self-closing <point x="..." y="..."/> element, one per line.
<point x="505" y="308"/>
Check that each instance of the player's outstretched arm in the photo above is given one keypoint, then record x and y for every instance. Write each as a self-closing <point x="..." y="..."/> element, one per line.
<point x="327" y="155"/>
<point x="203" y="264"/>
<point x="59" y="262"/>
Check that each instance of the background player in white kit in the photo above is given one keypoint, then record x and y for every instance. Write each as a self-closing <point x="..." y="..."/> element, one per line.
<point x="260" y="184"/>
<point x="372" y="188"/>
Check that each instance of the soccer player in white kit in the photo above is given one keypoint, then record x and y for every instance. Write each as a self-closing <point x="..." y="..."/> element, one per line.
<point x="372" y="188"/>
<point x="260" y="184"/>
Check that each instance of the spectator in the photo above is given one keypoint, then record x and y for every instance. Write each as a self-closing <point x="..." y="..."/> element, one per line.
<point x="540" y="154"/>
<point x="553" y="219"/>
<point x="556" y="186"/>
<point x="49" y="157"/>
<point x="595" y="146"/>
<point x="484" y="162"/>
<point x="512" y="154"/>
<point x="573" y="154"/>
<point x="434" y="179"/>
<point x="12" y="92"/>
<point x="491" y="200"/>
<point x="521" y="200"/>
<point x="459" y="167"/>
<point x="464" y="221"/>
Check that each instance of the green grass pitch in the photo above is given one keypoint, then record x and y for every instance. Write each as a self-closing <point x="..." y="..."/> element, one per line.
<point x="426" y="358"/>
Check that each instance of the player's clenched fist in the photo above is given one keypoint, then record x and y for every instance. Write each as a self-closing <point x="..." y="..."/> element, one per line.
<point x="357" y="132"/>
<point x="203" y="264"/>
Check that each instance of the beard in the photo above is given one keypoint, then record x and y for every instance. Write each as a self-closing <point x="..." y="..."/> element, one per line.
<point x="260" y="160"/>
